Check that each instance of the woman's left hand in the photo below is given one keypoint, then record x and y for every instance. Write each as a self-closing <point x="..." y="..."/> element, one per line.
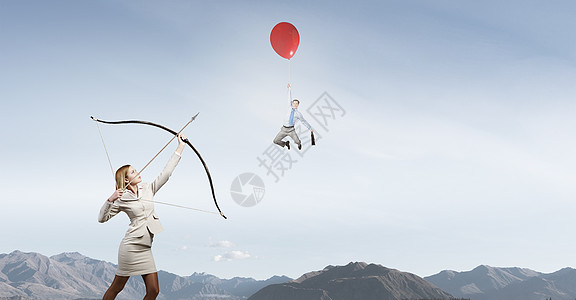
<point x="181" y="143"/>
<point x="182" y="139"/>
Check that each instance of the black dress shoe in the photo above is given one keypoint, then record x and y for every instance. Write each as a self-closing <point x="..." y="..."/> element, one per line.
<point x="288" y="144"/>
<point x="300" y="146"/>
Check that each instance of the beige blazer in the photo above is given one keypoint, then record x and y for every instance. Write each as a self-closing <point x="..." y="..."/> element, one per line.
<point x="140" y="209"/>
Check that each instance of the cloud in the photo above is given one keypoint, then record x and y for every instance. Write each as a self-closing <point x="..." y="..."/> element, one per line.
<point x="221" y="244"/>
<point x="232" y="255"/>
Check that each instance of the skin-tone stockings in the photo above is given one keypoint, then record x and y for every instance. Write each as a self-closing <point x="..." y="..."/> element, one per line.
<point x="150" y="280"/>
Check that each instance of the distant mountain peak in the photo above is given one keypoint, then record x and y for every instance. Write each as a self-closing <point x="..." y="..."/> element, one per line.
<point x="483" y="267"/>
<point x="68" y="255"/>
<point x="357" y="265"/>
<point x="356" y="280"/>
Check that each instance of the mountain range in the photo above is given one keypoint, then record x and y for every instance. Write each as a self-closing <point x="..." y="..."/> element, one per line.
<point x="25" y="276"/>
<point x="489" y="283"/>
<point x="74" y="276"/>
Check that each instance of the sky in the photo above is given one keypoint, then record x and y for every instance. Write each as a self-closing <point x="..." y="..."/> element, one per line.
<point x="450" y="143"/>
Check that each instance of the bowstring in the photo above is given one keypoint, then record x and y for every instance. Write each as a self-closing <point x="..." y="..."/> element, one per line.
<point x="107" y="155"/>
<point x="181" y="206"/>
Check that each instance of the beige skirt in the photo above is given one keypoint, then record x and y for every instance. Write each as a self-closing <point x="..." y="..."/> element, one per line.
<point x="135" y="256"/>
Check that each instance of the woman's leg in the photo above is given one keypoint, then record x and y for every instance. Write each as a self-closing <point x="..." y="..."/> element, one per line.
<point x="116" y="287"/>
<point x="152" y="286"/>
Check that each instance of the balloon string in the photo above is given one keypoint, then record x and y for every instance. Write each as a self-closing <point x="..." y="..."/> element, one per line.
<point x="289" y="70"/>
<point x="289" y="87"/>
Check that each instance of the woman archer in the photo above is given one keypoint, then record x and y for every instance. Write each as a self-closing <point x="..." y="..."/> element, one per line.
<point x="135" y="198"/>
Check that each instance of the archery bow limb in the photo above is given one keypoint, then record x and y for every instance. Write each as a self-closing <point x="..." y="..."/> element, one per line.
<point x="186" y="141"/>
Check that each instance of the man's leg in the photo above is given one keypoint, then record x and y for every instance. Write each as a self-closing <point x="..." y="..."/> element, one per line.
<point x="295" y="137"/>
<point x="278" y="139"/>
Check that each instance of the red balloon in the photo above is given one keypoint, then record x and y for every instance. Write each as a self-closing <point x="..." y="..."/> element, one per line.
<point x="285" y="39"/>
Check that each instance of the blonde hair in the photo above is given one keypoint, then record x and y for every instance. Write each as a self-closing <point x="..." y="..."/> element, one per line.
<point x="121" y="174"/>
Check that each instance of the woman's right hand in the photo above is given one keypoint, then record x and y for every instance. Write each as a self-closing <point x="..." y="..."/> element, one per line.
<point x="116" y="195"/>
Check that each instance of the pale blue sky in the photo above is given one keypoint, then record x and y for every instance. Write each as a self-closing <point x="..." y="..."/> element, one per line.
<point x="456" y="148"/>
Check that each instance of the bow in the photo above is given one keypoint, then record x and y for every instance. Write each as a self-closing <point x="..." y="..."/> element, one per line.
<point x="173" y="133"/>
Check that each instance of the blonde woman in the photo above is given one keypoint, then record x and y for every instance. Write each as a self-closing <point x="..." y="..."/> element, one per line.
<point x="135" y="198"/>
